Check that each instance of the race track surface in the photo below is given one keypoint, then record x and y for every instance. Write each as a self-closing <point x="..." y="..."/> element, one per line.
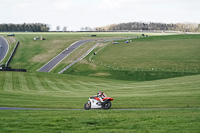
<point x="3" y="48"/>
<point x="52" y="63"/>
<point x="14" y="108"/>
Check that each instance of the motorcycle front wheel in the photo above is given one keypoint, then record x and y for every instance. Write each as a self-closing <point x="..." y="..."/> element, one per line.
<point x="106" y="105"/>
<point x="87" y="106"/>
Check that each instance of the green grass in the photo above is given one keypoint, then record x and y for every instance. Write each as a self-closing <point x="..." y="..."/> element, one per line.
<point x="32" y="55"/>
<point x="158" y="121"/>
<point x="43" y="90"/>
<point x="163" y="52"/>
<point x="66" y="91"/>
<point x="146" y="58"/>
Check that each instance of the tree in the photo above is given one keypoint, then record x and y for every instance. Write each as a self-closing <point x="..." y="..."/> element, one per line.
<point x="58" y="28"/>
<point x="44" y="29"/>
<point x="64" y="28"/>
<point x="86" y="29"/>
<point x="34" y="27"/>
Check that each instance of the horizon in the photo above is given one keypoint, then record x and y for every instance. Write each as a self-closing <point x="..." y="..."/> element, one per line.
<point x="97" y="13"/>
<point x="93" y="29"/>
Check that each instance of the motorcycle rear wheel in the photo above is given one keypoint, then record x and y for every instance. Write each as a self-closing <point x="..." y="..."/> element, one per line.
<point x="87" y="106"/>
<point x="106" y="105"/>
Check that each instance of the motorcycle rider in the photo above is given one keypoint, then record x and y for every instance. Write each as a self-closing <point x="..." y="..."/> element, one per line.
<point x="101" y="95"/>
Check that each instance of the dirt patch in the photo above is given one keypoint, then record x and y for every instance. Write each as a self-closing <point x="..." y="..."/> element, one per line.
<point x="102" y="44"/>
<point x="52" y="48"/>
<point x="41" y="57"/>
<point x="11" y="40"/>
<point x="100" y="74"/>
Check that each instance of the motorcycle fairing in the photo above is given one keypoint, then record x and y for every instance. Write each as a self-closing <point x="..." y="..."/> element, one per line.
<point x="94" y="103"/>
<point x="108" y="98"/>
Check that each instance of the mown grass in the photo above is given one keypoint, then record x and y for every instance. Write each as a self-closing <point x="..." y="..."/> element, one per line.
<point x="49" y="90"/>
<point x="43" y="90"/>
<point x="159" y="121"/>
<point x="31" y="54"/>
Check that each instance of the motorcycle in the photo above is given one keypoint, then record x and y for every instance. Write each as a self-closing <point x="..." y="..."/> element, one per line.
<point x="95" y="103"/>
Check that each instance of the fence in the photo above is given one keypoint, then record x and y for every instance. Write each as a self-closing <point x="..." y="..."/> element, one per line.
<point x="141" y="69"/>
<point x="118" y="39"/>
<point x="145" y="69"/>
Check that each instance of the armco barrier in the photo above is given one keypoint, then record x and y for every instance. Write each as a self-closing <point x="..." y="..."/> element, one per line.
<point x="7" y="63"/>
<point x="10" y="69"/>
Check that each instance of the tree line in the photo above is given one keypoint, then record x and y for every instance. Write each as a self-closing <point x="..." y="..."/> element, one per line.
<point x="184" y="27"/>
<point x="32" y="27"/>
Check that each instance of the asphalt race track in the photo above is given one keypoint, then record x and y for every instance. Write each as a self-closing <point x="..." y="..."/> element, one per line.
<point x="52" y="63"/>
<point x="14" y="108"/>
<point x="3" y="48"/>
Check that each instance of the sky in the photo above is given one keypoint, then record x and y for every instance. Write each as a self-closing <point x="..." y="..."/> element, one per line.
<point x="94" y="13"/>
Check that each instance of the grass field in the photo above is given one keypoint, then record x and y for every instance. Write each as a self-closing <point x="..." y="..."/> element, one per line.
<point x="39" y="90"/>
<point x="146" y="58"/>
<point x="163" y="52"/>
<point x="32" y="55"/>
<point x="158" y="121"/>
<point x="43" y="90"/>
<point x="135" y="89"/>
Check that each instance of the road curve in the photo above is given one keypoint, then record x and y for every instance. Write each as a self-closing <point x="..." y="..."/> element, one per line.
<point x="15" y="108"/>
<point x="3" y="48"/>
<point x="52" y="63"/>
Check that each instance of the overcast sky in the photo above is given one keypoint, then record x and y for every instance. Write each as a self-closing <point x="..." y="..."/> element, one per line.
<point x="93" y="13"/>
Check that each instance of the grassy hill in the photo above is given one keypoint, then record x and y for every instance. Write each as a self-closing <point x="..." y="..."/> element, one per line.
<point x="148" y="58"/>
<point x="43" y="90"/>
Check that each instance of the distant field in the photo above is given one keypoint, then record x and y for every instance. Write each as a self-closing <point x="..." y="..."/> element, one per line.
<point x="146" y="58"/>
<point x="161" y="52"/>
<point x="32" y="55"/>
